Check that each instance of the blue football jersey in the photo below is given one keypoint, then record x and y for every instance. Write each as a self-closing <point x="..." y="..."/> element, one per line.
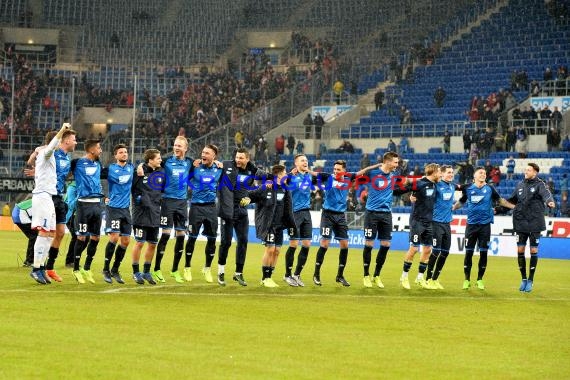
<point x="443" y="202"/>
<point x="120" y="179"/>
<point x="204" y="183"/>
<point x="479" y="203"/>
<point x="176" y="173"/>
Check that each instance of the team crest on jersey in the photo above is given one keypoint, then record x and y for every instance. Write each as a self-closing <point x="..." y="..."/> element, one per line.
<point x="532" y="189"/>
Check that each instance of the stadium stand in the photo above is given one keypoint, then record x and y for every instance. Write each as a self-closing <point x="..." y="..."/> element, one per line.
<point x="521" y="36"/>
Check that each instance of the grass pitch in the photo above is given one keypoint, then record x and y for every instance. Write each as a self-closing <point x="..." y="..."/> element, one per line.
<point x="199" y="330"/>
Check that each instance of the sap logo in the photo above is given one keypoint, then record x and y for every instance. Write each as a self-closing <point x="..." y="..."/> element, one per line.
<point x="447" y="196"/>
<point x="539" y="103"/>
<point x="477" y="198"/>
<point x="280" y="196"/>
<point x="429" y="192"/>
<point x="124" y="179"/>
<point x="90" y="170"/>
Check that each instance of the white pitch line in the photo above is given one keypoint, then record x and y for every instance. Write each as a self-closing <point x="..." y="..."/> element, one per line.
<point x="144" y="291"/>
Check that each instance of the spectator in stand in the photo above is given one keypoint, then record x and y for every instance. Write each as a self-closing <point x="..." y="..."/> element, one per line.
<point x="499" y="142"/>
<point x="378" y="99"/>
<point x="345" y="147"/>
<point x="291" y="143"/>
<point x="261" y="151"/>
<point x="404" y="144"/>
<point x="474" y="115"/>
<point x="511" y="167"/>
<point x="492" y="102"/>
<point x="352" y="201"/>
<point x="510" y="140"/>
<point x="495" y="175"/>
<point x="364" y="161"/>
<point x="405" y="116"/>
<point x="319" y="123"/>
<point x="338" y="89"/>
<point x="280" y="144"/>
<point x="300" y="147"/>
<point x="439" y="97"/>
<point x="466" y="141"/>
<point x="521" y="146"/>
<point x="530" y="115"/>
<point x="487" y="141"/>
<point x="446" y="142"/>
<point x="46" y="102"/>
<point x="474" y="153"/>
<point x="553" y="140"/>
<point x="544" y="117"/>
<point x="238" y="139"/>
<point x="548" y="75"/>
<point x="535" y="88"/>
<point x="556" y="118"/>
<point x="392" y="146"/>
<point x="510" y="101"/>
<point x="308" y="123"/>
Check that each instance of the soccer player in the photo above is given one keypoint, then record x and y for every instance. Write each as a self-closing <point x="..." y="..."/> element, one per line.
<point x="273" y="214"/>
<point x="174" y="205"/>
<point x="44" y="216"/>
<point x="479" y="197"/>
<point x="301" y="183"/>
<point x="119" y="227"/>
<point x="204" y="181"/>
<point x="529" y="198"/>
<point x="378" y="215"/>
<point x="239" y="175"/>
<point x="87" y="173"/>
<point x="147" y="194"/>
<point x="421" y="225"/>
<point x="62" y="166"/>
<point x="22" y="217"/>
<point x="333" y="218"/>
<point x="444" y="192"/>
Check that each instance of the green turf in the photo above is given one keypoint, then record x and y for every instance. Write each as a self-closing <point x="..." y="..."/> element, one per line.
<point x="199" y="330"/>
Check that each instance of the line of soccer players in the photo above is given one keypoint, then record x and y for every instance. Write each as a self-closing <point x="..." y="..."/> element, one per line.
<point x="158" y="192"/>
